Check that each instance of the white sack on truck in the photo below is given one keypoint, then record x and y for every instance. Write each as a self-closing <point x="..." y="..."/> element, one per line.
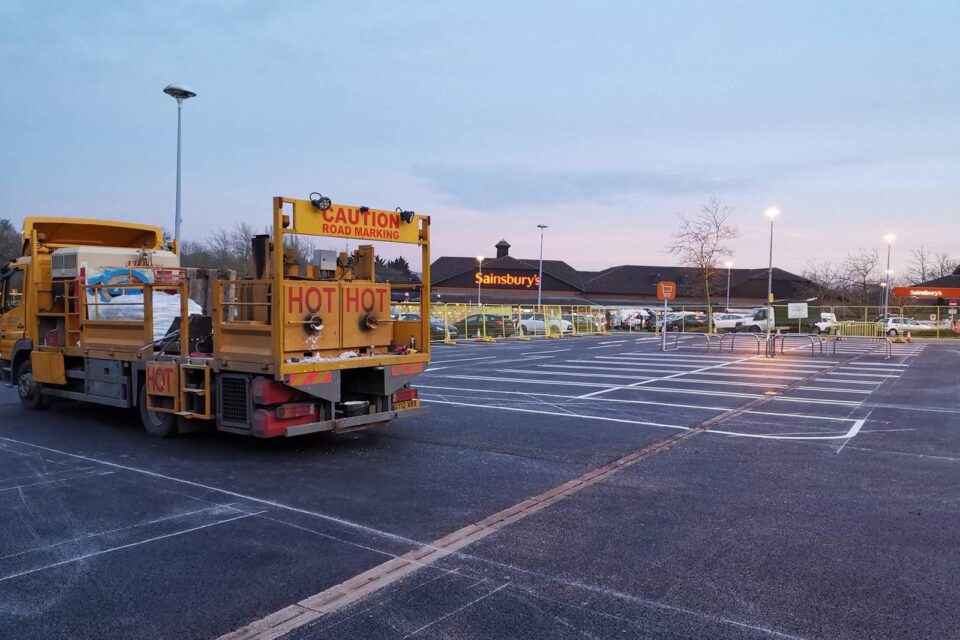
<point x="166" y="308"/>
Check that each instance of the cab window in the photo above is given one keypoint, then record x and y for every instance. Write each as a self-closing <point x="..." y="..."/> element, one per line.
<point x="12" y="290"/>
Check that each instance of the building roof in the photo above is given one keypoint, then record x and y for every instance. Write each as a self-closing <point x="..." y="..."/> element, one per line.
<point x="642" y="280"/>
<point x="951" y="280"/>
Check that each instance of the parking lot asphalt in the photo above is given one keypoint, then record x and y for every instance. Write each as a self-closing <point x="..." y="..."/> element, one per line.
<point x="753" y="497"/>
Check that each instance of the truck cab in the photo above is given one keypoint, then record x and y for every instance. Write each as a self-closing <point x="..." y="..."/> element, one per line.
<point x="12" y="321"/>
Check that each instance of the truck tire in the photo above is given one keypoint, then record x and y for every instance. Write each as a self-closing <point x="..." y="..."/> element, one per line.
<point x="755" y="329"/>
<point x="28" y="389"/>
<point x="156" y="423"/>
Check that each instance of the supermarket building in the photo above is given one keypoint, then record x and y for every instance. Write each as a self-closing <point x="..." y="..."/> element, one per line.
<point x="509" y="280"/>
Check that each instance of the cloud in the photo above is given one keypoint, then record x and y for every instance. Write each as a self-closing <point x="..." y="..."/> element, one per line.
<point x="495" y="187"/>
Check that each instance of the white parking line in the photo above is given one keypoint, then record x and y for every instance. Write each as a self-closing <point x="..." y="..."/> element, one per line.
<point x="560" y="413"/>
<point x="671" y="376"/>
<point x="79" y="476"/>
<point x="864" y="375"/>
<point x="463" y="359"/>
<point x="697" y="392"/>
<point x="854" y="430"/>
<point x="656" y="403"/>
<point x="523" y="353"/>
<point x="124" y="546"/>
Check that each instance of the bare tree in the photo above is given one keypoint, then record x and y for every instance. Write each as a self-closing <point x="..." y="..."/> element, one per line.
<point x="943" y="265"/>
<point x="9" y="242"/>
<point x="302" y="245"/>
<point x="859" y="274"/>
<point x="826" y="282"/>
<point x="921" y="265"/>
<point x="700" y="243"/>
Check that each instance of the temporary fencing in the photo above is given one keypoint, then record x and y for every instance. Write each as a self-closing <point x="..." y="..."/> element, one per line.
<point x="493" y="322"/>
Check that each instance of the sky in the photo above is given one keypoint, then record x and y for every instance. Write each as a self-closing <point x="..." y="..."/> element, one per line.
<point x="602" y="120"/>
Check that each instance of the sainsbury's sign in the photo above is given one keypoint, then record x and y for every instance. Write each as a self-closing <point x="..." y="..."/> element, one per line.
<point x="926" y="292"/>
<point x="506" y="280"/>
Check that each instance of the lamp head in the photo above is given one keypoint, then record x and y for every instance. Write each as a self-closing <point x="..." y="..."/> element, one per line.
<point x="479" y="258"/>
<point x="728" y="264"/>
<point x="179" y="91"/>
<point x="772" y="213"/>
<point x="889" y="238"/>
<point x="542" y="226"/>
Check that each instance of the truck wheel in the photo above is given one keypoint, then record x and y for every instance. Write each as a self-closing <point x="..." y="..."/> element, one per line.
<point x="156" y="423"/>
<point x="29" y="389"/>
<point x="754" y="329"/>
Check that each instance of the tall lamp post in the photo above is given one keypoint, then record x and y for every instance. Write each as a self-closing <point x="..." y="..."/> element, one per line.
<point x="729" y="265"/>
<point x="540" y="280"/>
<point x="178" y="92"/>
<point x="771" y="213"/>
<point x="480" y="279"/>
<point x="889" y="238"/>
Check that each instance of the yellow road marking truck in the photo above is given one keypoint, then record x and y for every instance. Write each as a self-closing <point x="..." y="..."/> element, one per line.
<point x="100" y="311"/>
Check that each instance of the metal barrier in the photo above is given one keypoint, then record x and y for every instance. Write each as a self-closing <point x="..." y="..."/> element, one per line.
<point x="732" y="337"/>
<point x="491" y="322"/>
<point x="815" y="341"/>
<point x="676" y="342"/>
<point x="523" y="321"/>
<point x="709" y="337"/>
<point x="856" y="329"/>
<point x="876" y="341"/>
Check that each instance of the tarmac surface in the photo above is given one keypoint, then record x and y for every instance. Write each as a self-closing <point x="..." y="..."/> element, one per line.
<point x="751" y="497"/>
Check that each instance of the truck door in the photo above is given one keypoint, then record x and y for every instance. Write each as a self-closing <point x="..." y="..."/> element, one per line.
<point x="12" y="311"/>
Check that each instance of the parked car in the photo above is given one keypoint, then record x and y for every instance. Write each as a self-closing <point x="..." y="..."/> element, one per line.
<point x="585" y="322"/>
<point x="496" y="325"/>
<point x="897" y="325"/>
<point x="633" y="319"/>
<point x="680" y="321"/>
<point x="727" y="321"/>
<point x="438" y="330"/>
<point x="535" y="323"/>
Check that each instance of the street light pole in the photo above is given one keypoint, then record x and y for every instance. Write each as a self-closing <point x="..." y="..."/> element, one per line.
<point x="540" y="280"/>
<point x="480" y="279"/>
<point x="179" y="92"/>
<point x="729" y="265"/>
<point x="771" y="213"/>
<point x="886" y="287"/>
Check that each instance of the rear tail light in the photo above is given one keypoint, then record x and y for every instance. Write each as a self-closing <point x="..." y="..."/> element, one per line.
<point x="270" y="423"/>
<point x="297" y="410"/>
<point x="405" y="394"/>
